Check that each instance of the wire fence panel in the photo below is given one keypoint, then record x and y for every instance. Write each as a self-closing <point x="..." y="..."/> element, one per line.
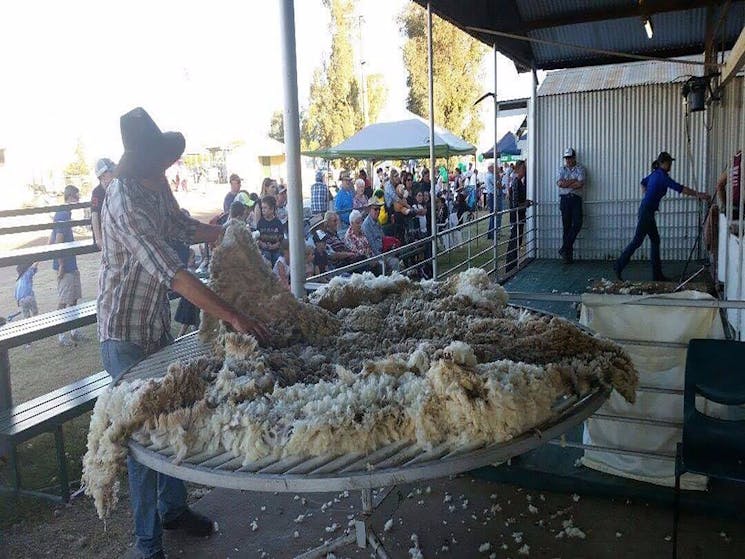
<point x="608" y="226"/>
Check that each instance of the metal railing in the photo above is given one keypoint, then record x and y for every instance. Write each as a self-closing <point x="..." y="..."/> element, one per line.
<point x="608" y="225"/>
<point x="651" y="301"/>
<point x="459" y="247"/>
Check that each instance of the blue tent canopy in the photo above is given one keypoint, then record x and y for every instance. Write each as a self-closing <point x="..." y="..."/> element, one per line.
<point x="506" y="146"/>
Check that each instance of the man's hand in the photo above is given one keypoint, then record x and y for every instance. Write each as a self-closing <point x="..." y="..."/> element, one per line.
<point x="703" y="196"/>
<point x="245" y="325"/>
<point x="60" y="272"/>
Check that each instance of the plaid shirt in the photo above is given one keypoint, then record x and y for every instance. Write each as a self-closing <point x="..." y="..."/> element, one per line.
<point x="319" y="198"/>
<point x="137" y="263"/>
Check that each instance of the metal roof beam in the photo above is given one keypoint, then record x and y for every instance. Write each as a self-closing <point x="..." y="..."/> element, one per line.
<point x="736" y="60"/>
<point x="649" y="7"/>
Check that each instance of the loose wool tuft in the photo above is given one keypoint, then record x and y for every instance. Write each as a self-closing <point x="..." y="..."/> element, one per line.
<point x="374" y="360"/>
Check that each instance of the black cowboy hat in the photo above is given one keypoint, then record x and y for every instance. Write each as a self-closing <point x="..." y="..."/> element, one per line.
<point x="147" y="151"/>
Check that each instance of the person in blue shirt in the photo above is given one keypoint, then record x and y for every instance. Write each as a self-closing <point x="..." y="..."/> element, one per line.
<point x="25" y="289"/>
<point x="655" y="187"/>
<point x="68" y="276"/>
<point x="344" y="200"/>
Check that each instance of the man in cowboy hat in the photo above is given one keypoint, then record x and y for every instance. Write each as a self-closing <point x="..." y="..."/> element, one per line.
<point x="139" y="218"/>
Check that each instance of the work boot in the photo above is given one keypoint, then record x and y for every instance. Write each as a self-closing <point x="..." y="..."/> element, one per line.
<point x="192" y="523"/>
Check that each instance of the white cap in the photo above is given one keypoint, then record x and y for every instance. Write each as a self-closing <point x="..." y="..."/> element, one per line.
<point x="569" y="152"/>
<point x="103" y="165"/>
<point x="355" y="215"/>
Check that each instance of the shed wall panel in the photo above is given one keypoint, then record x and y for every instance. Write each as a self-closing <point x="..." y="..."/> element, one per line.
<point x="617" y="133"/>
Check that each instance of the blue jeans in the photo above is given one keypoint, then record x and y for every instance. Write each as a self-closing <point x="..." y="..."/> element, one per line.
<point x="571" y="221"/>
<point x="500" y="207"/>
<point x="646" y="226"/>
<point x="155" y="497"/>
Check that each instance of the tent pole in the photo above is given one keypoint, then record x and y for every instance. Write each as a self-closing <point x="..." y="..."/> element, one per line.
<point x="432" y="194"/>
<point x="496" y="220"/>
<point x="292" y="149"/>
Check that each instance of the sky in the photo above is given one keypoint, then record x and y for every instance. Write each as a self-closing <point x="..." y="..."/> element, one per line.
<point x="211" y="70"/>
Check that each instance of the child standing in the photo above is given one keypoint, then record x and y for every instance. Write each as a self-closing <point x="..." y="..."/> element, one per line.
<point x="25" y="289"/>
<point x="310" y="268"/>
<point x="281" y="267"/>
<point x="271" y="230"/>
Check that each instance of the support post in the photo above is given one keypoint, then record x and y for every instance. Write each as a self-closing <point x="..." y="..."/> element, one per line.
<point x="6" y="395"/>
<point x="530" y="217"/>
<point x="495" y="195"/>
<point x="432" y="174"/>
<point x="64" y="484"/>
<point x="292" y="148"/>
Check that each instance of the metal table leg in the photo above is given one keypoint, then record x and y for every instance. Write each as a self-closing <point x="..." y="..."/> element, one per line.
<point x="363" y="534"/>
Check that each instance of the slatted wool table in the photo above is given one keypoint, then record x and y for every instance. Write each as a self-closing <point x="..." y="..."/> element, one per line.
<point x="397" y="463"/>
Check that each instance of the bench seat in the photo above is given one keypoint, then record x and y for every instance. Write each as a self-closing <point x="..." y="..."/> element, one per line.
<point x="20" y="332"/>
<point x="48" y="413"/>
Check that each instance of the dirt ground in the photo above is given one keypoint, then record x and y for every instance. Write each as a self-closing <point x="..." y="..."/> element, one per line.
<point x="31" y="373"/>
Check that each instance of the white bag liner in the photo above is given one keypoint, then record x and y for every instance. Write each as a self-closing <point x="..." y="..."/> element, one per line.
<point x="657" y="366"/>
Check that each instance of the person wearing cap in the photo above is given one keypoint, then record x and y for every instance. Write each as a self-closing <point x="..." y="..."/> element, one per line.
<point x="281" y="211"/>
<point x="319" y="195"/>
<point x="344" y="201"/>
<point x="138" y="267"/>
<point x="235" y="187"/>
<point x="571" y="183"/>
<point x="374" y="232"/>
<point x="104" y="174"/>
<point x="654" y="186"/>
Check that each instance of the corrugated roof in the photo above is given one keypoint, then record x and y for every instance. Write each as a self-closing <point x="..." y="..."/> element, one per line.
<point x="679" y="31"/>
<point x="615" y="76"/>
<point x="597" y="29"/>
<point x="532" y="10"/>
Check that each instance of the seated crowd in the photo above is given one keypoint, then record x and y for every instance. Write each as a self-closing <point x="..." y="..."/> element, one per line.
<point x="363" y="219"/>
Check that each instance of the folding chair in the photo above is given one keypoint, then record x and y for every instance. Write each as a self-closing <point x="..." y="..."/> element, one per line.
<point x="715" y="369"/>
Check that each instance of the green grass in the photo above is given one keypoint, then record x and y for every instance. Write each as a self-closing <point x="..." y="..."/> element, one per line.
<point x="455" y="261"/>
<point x="38" y="465"/>
<point x="36" y="371"/>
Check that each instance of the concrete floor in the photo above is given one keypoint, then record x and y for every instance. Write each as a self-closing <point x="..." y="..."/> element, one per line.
<point x="455" y="518"/>
<point x="459" y="517"/>
<point x="553" y="276"/>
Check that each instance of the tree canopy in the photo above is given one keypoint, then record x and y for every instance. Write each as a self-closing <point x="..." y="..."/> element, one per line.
<point x="456" y="72"/>
<point x="277" y="126"/>
<point x="334" y="111"/>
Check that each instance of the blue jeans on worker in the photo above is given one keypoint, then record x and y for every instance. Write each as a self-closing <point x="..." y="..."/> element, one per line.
<point x="490" y="199"/>
<point x="155" y="497"/>
<point x="571" y="222"/>
<point x="646" y="226"/>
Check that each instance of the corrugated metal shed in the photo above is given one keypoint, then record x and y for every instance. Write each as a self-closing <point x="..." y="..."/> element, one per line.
<point x="617" y="131"/>
<point x="598" y="78"/>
